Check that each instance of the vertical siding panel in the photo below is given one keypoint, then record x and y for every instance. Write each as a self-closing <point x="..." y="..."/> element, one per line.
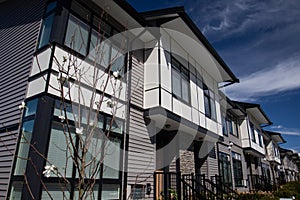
<point x="19" y="28"/>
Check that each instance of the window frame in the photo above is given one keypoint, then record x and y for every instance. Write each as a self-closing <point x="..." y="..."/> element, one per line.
<point x="47" y="14"/>
<point x="237" y="165"/>
<point x="209" y="98"/>
<point x="183" y="75"/>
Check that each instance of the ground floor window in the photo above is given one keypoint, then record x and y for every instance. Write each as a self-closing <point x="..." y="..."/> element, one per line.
<point x="225" y="169"/>
<point x="237" y="169"/>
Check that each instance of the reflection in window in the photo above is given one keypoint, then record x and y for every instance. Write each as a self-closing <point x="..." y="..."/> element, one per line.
<point x="110" y="191"/>
<point x="112" y="151"/>
<point x="56" y="191"/>
<point x="46" y="27"/>
<point x="225" y="169"/>
<point x="58" y="145"/>
<point x="31" y="107"/>
<point x="77" y="35"/>
<point x="24" y="145"/>
<point x="16" y="191"/>
<point x="209" y="103"/>
<point x="237" y="169"/>
<point x="180" y="81"/>
<point x="115" y="126"/>
<point x="93" y="194"/>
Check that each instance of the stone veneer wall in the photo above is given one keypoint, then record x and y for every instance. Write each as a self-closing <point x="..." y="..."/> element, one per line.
<point x="187" y="162"/>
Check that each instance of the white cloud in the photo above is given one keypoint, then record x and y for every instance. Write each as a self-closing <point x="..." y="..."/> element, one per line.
<point x="286" y="131"/>
<point x="283" y="77"/>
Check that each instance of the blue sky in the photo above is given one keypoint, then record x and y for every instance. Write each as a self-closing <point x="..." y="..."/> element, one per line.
<point x="260" y="42"/>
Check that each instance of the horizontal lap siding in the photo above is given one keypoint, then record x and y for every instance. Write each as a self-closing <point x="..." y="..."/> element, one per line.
<point x="141" y="152"/>
<point x="137" y="83"/>
<point x="19" y="28"/>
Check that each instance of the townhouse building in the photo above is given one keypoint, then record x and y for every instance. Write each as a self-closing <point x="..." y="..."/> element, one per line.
<point x="171" y="124"/>
<point x="272" y="141"/>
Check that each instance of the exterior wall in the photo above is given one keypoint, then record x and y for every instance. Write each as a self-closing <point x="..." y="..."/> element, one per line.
<point x="237" y="148"/>
<point x="210" y="167"/>
<point x="158" y="84"/>
<point x="187" y="162"/>
<point x="271" y="155"/>
<point x="141" y="150"/>
<point x="19" y="28"/>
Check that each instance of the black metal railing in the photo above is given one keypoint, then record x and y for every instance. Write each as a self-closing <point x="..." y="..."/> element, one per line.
<point x="258" y="182"/>
<point x="171" y="185"/>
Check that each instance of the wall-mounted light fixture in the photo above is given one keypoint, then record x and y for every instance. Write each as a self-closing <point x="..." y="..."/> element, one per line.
<point x="230" y="145"/>
<point x="148" y="188"/>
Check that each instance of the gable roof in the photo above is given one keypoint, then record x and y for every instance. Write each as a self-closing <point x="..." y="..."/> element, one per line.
<point x="163" y="16"/>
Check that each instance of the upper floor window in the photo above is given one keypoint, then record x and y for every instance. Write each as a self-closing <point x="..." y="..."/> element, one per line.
<point x="209" y="103"/>
<point x="46" y="28"/>
<point x="260" y="140"/>
<point x="252" y="132"/>
<point x="89" y="35"/>
<point x="224" y="125"/>
<point x="180" y="81"/>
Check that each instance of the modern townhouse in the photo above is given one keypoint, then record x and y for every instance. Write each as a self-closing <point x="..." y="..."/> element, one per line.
<point x="173" y="78"/>
<point x="272" y="141"/>
<point x="173" y="129"/>
<point x="253" y="143"/>
<point x="289" y="170"/>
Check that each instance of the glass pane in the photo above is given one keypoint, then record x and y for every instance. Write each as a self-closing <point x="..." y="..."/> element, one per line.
<point x="58" y="152"/>
<point x="95" y="120"/>
<point x="176" y="65"/>
<point x="31" y="107"/>
<point x="94" y="155"/>
<point x="77" y="35"/>
<point x="46" y="31"/>
<point x="71" y="110"/>
<point x="99" y="49"/>
<point x="110" y="191"/>
<point x="117" y="61"/>
<point x="207" y="106"/>
<point x="176" y="85"/>
<point x="80" y="10"/>
<point x="185" y="90"/>
<point x="89" y="194"/>
<point x="56" y="191"/>
<point x="16" y="191"/>
<point x="102" y="26"/>
<point x="112" y="151"/>
<point x="24" y="145"/>
<point x="116" y="125"/>
<point x="51" y="6"/>
<point x="224" y="126"/>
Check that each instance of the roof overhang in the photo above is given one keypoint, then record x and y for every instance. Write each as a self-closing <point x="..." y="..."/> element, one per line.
<point x="276" y="137"/>
<point x="179" y="26"/>
<point x="123" y="12"/>
<point x="256" y="111"/>
<point x="166" y="120"/>
<point x="253" y="152"/>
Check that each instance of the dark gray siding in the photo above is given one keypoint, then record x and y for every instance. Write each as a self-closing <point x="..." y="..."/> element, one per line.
<point x="141" y="151"/>
<point x="19" y="28"/>
<point x="137" y="83"/>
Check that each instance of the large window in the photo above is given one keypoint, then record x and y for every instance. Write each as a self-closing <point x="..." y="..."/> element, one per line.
<point x="77" y="35"/>
<point x="103" y="150"/>
<point x="25" y="137"/>
<point x="180" y="81"/>
<point x="237" y="169"/>
<point x="209" y="103"/>
<point x="252" y="132"/>
<point x="225" y="169"/>
<point x="46" y="28"/>
<point x="87" y="34"/>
